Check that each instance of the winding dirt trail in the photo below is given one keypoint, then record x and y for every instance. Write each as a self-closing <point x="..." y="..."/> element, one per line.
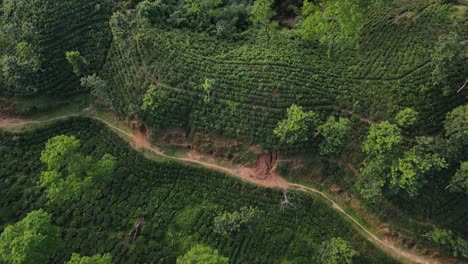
<point x="139" y="141"/>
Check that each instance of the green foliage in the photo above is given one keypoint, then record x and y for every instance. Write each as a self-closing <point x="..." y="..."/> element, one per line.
<point x="413" y="169"/>
<point x="459" y="182"/>
<point x="164" y="194"/>
<point x="406" y="117"/>
<point x="447" y="239"/>
<point x="335" y="135"/>
<point x="337" y="251"/>
<point x="447" y="60"/>
<point x="96" y="259"/>
<point x="262" y="14"/>
<point x="79" y="63"/>
<point x="231" y="223"/>
<point x="31" y="240"/>
<point x="456" y="129"/>
<point x="98" y="87"/>
<point x="201" y="254"/>
<point x="297" y="126"/>
<point x="207" y="86"/>
<point x="336" y="21"/>
<point x="372" y="179"/>
<point x="69" y="174"/>
<point x="383" y="139"/>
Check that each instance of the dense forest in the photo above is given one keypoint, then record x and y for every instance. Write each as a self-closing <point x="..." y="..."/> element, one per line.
<point x="366" y="100"/>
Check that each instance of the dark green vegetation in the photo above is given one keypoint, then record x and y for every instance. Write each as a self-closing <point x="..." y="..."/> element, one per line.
<point x="371" y="94"/>
<point x="178" y="204"/>
<point x="35" y="36"/>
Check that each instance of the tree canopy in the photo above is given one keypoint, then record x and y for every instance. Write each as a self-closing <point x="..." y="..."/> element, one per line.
<point x="262" y="14"/>
<point x="333" y="22"/>
<point x="459" y="182"/>
<point x="382" y="139"/>
<point x="201" y="254"/>
<point x="31" y="240"/>
<point x="335" y="134"/>
<point x="406" y="117"/>
<point x="230" y="223"/>
<point x="456" y="129"/>
<point x="69" y="174"/>
<point x="79" y="63"/>
<point x="337" y="251"/>
<point x="297" y="126"/>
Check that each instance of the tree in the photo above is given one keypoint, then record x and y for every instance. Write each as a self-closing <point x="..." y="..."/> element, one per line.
<point x="382" y="139"/>
<point x="262" y="14"/>
<point x="456" y="129"/>
<point x="96" y="259"/>
<point x="208" y="86"/>
<point x="31" y="240"/>
<point x="459" y="182"/>
<point x="332" y="22"/>
<point x="69" y="174"/>
<point x="297" y="126"/>
<point x="201" y="254"/>
<point x="79" y="63"/>
<point x="230" y="223"/>
<point x="406" y="117"/>
<point x="98" y="87"/>
<point x="413" y="170"/>
<point x="335" y="134"/>
<point x="372" y="179"/>
<point x="446" y="238"/>
<point x="337" y="251"/>
<point x="448" y="58"/>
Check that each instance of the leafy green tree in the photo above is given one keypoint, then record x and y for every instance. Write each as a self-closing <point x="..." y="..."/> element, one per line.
<point x="297" y="126"/>
<point x="96" y="259"/>
<point x="201" y="254"/>
<point x="406" y="117"/>
<point x="372" y="179"/>
<point x="459" y="182"/>
<point x="98" y="88"/>
<point x="413" y="169"/>
<point x="447" y="239"/>
<point x="381" y="144"/>
<point x="69" y="174"/>
<point x="335" y="134"/>
<point x="337" y="251"/>
<point x="382" y="139"/>
<point x="448" y="58"/>
<point x="208" y="86"/>
<point x="262" y="14"/>
<point x="31" y="240"/>
<point x="332" y="22"/>
<point x="79" y="63"/>
<point x="19" y="68"/>
<point x="230" y="223"/>
<point x="456" y="130"/>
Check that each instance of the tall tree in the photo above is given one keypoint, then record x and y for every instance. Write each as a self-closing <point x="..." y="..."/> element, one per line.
<point x="69" y="174"/>
<point x="201" y="254"/>
<point x="262" y="14"/>
<point x="333" y="22"/>
<point x="96" y="259"/>
<point x="456" y="130"/>
<point x="31" y="240"/>
<point x="79" y="63"/>
<point x="448" y="59"/>
<point x="337" y="251"/>
<point x="297" y="126"/>
<point x="230" y="223"/>
<point x="406" y="117"/>
<point x="335" y="134"/>
<point x="98" y="88"/>
<point x="382" y="139"/>
<point x="459" y="182"/>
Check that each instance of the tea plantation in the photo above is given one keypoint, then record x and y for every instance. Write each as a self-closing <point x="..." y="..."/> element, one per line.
<point x="177" y="202"/>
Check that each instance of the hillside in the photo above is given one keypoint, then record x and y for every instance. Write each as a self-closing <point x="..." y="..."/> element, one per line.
<point x="365" y="100"/>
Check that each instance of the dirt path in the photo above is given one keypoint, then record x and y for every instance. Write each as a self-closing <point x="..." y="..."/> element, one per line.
<point x="361" y="117"/>
<point x="139" y="141"/>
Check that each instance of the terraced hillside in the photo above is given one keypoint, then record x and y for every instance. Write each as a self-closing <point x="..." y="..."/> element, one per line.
<point x="178" y="204"/>
<point x="53" y="28"/>
<point x="255" y="80"/>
